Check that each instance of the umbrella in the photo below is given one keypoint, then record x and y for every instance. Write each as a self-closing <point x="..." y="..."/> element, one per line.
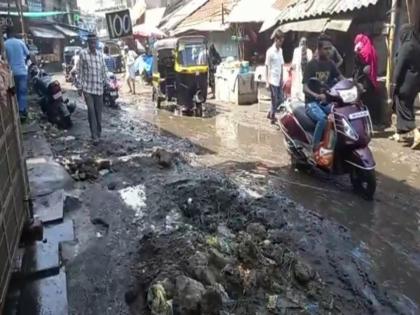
<point x="144" y="30"/>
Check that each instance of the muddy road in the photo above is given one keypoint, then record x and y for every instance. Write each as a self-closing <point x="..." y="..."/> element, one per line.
<point x="225" y="224"/>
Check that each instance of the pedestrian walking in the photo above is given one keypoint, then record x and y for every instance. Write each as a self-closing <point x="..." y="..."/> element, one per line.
<point x="366" y="73"/>
<point x="92" y="74"/>
<point x="301" y="56"/>
<point x="130" y="57"/>
<point x="407" y="83"/>
<point x="214" y="61"/>
<point x="274" y="62"/>
<point x="17" y="55"/>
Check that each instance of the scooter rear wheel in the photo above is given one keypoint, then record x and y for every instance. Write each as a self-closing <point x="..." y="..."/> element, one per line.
<point x="364" y="182"/>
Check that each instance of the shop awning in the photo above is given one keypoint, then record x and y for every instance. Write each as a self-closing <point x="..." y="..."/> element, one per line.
<point x="270" y="20"/>
<point x="182" y="13"/>
<point x="203" y="27"/>
<point x="153" y="17"/>
<point x="42" y="32"/>
<point x="341" y="25"/>
<point x="210" y="17"/>
<point x="313" y="25"/>
<point x="304" y="9"/>
<point x="248" y="11"/>
<point x="316" y="25"/>
<point x="66" y="31"/>
<point x="137" y="11"/>
<point x="272" y="17"/>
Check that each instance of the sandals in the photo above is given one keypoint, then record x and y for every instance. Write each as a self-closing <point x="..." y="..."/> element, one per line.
<point x="416" y="142"/>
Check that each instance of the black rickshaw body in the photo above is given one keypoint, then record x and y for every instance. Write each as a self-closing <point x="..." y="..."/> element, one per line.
<point x="180" y="71"/>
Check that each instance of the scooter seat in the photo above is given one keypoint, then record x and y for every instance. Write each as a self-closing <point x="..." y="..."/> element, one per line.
<point x="299" y="110"/>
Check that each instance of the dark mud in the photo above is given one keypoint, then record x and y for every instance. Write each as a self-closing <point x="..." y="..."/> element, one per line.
<point x="260" y="255"/>
<point x="176" y="238"/>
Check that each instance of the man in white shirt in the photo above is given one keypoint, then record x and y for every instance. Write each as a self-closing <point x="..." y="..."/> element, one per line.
<point x="274" y="62"/>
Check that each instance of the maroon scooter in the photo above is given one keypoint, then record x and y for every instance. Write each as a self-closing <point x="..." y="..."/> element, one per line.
<point x="344" y="148"/>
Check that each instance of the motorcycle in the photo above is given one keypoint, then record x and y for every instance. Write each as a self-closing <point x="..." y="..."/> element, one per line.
<point x="345" y="145"/>
<point x="111" y="90"/>
<point x="57" y="109"/>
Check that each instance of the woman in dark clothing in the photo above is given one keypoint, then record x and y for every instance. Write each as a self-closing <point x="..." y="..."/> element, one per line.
<point x="214" y="61"/>
<point x="407" y="83"/>
<point x="366" y="73"/>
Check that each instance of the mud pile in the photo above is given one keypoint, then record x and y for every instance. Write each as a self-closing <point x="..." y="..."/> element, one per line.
<point x="237" y="254"/>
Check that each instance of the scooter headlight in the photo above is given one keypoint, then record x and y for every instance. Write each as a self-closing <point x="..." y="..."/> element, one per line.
<point x="349" y="96"/>
<point x="349" y="131"/>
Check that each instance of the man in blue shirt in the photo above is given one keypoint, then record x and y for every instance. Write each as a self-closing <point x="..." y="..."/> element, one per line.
<point x="17" y="55"/>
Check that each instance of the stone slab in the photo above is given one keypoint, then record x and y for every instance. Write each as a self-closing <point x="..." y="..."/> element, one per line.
<point x="36" y="145"/>
<point x="41" y="259"/>
<point x="30" y="128"/>
<point x="57" y="233"/>
<point x="47" y="296"/>
<point x="46" y="177"/>
<point x="50" y="208"/>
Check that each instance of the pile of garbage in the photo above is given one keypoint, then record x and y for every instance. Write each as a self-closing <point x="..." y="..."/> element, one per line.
<point x="85" y="168"/>
<point x="237" y="254"/>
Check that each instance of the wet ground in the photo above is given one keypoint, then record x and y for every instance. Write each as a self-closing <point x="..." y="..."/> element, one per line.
<point x="141" y="225"/>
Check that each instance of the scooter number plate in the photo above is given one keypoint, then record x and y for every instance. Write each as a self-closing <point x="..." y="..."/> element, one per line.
<point x="113" y="93"/>
<point x="358" y="115"/>
<point x="56" y="96"/>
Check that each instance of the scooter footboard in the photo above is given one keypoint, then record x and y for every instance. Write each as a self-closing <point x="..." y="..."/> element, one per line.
<point x="362" y="158"/>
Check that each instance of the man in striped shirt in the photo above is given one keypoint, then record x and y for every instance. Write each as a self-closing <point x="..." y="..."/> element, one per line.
<point x="92" y="75"/>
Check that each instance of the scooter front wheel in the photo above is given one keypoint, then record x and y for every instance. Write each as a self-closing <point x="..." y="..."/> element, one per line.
<point x="298" y="164"/>
<point x="364" y="182"/>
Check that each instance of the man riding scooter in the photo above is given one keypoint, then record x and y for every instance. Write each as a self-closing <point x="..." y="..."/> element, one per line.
<point x="323" y="69"/>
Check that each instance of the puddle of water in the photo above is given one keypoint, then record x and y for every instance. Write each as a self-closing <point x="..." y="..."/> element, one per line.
<point x="135" y="198"/>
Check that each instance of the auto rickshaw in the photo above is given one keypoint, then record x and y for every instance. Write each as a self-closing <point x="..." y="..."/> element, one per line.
<point x="180" y="73"/>
<point x="68" y="54"/>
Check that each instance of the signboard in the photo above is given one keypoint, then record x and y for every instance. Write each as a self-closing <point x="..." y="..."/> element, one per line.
<point x="34" y="5"/>
<point x="119" y="24"/>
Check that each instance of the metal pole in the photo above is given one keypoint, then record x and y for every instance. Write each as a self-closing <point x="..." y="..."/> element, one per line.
<point x="19" y="9"/>
<point x="408" y="5"/>
<point x="391" y="51"/>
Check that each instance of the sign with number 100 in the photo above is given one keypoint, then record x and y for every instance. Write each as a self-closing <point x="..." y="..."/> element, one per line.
<point x="119" y="24"/>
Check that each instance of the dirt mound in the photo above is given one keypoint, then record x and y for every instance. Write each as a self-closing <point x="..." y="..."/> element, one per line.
<point x="237" y="254"/>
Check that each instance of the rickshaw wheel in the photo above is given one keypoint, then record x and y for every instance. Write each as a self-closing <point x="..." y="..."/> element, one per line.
<point x="199" y="110"/>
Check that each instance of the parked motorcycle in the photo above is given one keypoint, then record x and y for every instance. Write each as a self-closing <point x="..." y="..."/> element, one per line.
<point x="52" y="103"/>
<point x="111" y="90"/>
<point x="345" y="145"/>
